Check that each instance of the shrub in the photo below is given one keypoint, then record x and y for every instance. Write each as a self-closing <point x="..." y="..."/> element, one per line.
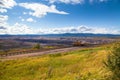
<point x="113" y="61"/>
<point x="77" y="43"/>
<point x="37" y="46"/>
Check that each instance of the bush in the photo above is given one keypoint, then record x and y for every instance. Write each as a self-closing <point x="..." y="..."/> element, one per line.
<point x="77" y="43"/>
<point x="113" y="61"/>
<point x="37" y="46"/>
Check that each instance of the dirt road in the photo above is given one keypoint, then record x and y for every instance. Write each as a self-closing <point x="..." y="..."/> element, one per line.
<point x="40" y="53"/>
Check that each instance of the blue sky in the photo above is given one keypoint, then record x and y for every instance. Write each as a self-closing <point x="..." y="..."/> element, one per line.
<point x="59" y="16"/>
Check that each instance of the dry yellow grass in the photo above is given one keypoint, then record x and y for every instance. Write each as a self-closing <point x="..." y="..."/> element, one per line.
<point x="86" y="64"/>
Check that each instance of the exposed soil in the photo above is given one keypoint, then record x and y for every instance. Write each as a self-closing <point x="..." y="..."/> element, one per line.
<point x="39" y="53"/>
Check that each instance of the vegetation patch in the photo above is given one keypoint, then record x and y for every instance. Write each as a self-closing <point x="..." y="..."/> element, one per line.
<point x="84" y="64"/>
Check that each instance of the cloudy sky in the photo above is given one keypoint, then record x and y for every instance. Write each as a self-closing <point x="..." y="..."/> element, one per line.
<point x="59" y="16"/>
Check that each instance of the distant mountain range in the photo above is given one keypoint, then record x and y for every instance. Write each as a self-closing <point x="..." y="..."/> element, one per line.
<point x="82" y="35"/>
<point x="65" y="35"/>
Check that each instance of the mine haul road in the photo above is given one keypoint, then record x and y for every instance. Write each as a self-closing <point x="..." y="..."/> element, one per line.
<point x="55" y="51"/>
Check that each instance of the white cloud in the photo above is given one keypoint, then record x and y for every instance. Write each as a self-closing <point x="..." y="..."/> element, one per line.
<point x="3" y="10"/>
<point x="17" y="28"/>
<point x="74" y="1"/>
<point x="67" y="1"/>
<point x="6" y="4"/>
<point x="79" y="29"/>
<point x="24" y="13"/>
<point x="91" y="1"/>
<point x="40" y="10"/>
<point x="30" y="20"/>
<point x="22" y="19"/>
<point x="102" y="0"/>
<point x="2" y="27"/>
<point x="3" y="18"/>
<point x="24" y="29"/>
<point x="3" y="23"/>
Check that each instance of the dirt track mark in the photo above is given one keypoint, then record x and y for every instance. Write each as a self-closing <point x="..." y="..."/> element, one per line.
<point x="40" y="53"/>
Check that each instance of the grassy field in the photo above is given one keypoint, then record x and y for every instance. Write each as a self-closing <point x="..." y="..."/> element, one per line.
<point x="85" y="64"/>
